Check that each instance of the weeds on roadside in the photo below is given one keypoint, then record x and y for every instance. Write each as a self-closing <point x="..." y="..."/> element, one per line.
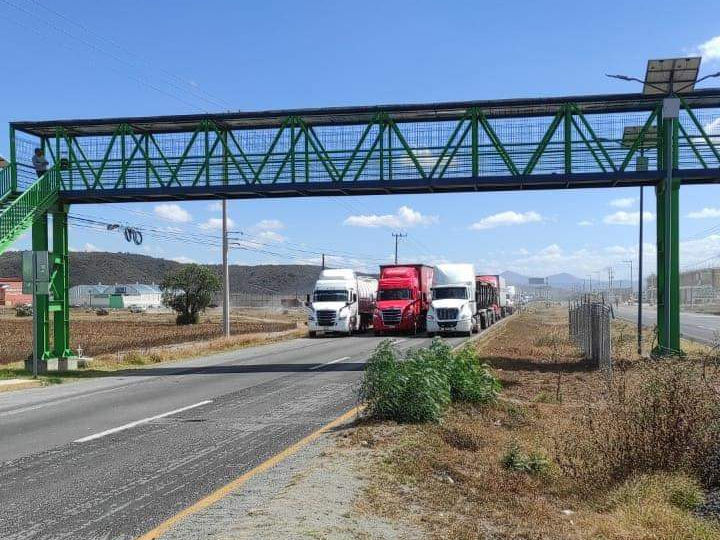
<point x="419" y="386"/>
<point x="515" y="459"/>
<point x="665" y="419"/>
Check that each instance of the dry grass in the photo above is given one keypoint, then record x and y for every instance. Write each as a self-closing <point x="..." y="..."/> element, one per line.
<point x="450" y="479"/>
<point x="123" y="332"/>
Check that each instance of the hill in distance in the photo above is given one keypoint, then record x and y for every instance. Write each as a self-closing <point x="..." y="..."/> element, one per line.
<point x="111" y="268"/>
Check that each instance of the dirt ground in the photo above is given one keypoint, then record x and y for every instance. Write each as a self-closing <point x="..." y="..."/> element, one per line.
<point x="449" y="480"/>
<point x="122" y="331"/>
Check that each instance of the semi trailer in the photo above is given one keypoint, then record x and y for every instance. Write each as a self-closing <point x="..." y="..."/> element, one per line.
<point x="453" y="307"/>
<point x="499" y="302"/>
<point x="403" y="298"/>
<point x="342" y="302"/>
<point x="486" y="302"/>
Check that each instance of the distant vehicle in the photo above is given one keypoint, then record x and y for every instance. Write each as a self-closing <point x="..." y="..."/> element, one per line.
<point x="342" y="302"/>
<point x="500" y="300"/>
<point x="403" y="298"/>
<point x="137" y="309"/>
<point x="453" y="307"/>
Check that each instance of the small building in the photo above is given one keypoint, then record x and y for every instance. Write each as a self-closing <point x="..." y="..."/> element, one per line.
<point x="11" y="292"/>
<point x="116" y="296"/>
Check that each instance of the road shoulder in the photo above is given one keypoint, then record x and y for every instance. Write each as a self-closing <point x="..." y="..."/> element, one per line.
<point x="315" y="493"/>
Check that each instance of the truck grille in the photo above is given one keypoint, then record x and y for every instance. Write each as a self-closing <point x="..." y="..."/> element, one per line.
<point x="391" y="316"/>
<point x="447" y="314"/>
<point x="326" y="318"/>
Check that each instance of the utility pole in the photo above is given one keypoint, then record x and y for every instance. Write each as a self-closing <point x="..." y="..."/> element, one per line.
<point x="397" y="237"/>
<point x="323" y="261"/>
<point x="226" y="272"/>
<point x="631" y="275"/>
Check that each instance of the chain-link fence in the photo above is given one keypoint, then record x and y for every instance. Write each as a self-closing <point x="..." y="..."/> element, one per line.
<point x="589" y="323"/>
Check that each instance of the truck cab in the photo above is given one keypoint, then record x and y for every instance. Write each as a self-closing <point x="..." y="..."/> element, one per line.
<point x="453" y="306"/>
<point x="402" y="298"/>
<point x="333" y="306"/>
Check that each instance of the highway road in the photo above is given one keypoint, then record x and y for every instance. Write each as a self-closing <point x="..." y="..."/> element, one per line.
<point x="700" y="327"/>
<point x="116" y="456"/>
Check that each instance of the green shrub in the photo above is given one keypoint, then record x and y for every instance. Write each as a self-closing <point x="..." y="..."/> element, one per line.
<point x="515" y="459"/>
<point x="470" y="380"/>
<point x="419" y="386"/>
<point x="134" y="358"/>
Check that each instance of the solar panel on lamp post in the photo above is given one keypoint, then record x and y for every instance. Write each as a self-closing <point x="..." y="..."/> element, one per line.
<point x="668" y="77"/>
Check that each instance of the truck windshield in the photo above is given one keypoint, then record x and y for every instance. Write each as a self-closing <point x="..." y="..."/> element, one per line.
<point x="394" y="294"/>
<point x="330" y="296"/>
<point x="443" y="293"/>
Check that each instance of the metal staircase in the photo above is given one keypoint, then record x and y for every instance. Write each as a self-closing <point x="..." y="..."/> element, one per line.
<point x="19" y="209"/>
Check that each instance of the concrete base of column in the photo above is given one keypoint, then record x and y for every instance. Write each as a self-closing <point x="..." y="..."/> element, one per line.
<point x="52" y="365"/>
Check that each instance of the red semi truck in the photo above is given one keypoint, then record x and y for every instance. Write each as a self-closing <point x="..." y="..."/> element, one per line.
<point x="403" y="298"/>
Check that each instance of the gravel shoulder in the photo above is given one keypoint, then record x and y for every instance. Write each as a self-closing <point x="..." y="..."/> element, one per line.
<point x="316" y="493"/>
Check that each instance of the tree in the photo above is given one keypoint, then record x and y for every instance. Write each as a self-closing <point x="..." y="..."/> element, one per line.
<point x="188" y="291"/>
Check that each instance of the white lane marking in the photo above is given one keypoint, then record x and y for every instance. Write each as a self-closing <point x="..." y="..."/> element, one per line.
<point x="139" y="422"/>
<point x="330" y="362"/>
<point x="398" y="340"/>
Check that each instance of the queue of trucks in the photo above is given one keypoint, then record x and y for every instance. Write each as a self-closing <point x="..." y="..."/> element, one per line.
<point x="408" y="299"/>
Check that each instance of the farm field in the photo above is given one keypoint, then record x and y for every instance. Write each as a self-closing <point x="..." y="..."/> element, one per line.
<point x="122" y="331"/>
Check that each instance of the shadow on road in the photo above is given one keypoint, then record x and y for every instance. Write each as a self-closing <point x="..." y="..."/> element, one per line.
<point x="240" y="369"/>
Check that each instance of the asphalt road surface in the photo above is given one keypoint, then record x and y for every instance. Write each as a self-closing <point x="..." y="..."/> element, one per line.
<point x="700" y="327"/>
<point x="112" y="458"/>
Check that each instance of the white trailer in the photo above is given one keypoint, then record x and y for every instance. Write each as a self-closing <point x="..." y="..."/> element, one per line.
<point x="342" y="302"/>
<point x="453" y="306"/>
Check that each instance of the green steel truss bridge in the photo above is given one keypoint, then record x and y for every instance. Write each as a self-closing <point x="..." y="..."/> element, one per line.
<point x="516" y="144"/>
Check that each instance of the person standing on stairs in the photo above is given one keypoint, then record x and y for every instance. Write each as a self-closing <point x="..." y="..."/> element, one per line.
<point x="39" y="162"/>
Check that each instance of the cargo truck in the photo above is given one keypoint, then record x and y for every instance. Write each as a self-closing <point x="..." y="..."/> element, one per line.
<point x="485" y="301"/>
<point x="342" y="302"/>
<point x="500" y="293"/>
<point x="403" y="298"/>
<point x="453" y="307"/>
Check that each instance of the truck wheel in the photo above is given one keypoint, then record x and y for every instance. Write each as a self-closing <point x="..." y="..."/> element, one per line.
<point x="431" y="334"/>
<point x="483" y="323"/>
<point x="377" y="333"/>
<point x="468" y="333"/>
<point x="312" y="334"/>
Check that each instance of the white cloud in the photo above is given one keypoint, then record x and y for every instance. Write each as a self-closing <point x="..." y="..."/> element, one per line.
<point x="89" y="248"/>
<point x="269" y="225"/>
<point x="215" y="224"/>
<point x="710" y="50"/>
<point x="623" y="202"/>
<point x="705" y="213"/>
<point x="404" y="217"/>
<point x="585" y="223"/>
<point x="271" y="236"/>
<point x="172" y="212"/>
<point x="627" y="218"/>
<point x="215" y="206"/>
<point x="503" y="219"/>
<point x="184" y="260"/>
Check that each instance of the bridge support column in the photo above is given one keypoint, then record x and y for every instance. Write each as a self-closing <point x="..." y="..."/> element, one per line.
<point x="668" y="245"/>
<point x="42" y="301"/>
<point x="61" y="284"/>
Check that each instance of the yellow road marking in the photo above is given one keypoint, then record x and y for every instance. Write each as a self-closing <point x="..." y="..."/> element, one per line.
<point x="225" y="490"/>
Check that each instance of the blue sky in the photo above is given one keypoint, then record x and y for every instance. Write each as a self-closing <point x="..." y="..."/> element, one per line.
<point x="92" y="59"/>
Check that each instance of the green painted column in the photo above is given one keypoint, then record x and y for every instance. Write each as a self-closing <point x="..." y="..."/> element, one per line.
<point x="61" y="284"/>
<point x="668" y="245"/>
<point x="42" y="301"/>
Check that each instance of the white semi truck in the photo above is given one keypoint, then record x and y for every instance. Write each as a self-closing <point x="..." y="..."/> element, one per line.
<point x="453" y="306"/>
<point x="342" y="302"/>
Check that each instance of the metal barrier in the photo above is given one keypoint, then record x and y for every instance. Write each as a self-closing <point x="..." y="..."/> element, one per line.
<point x="589" y="326"/>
